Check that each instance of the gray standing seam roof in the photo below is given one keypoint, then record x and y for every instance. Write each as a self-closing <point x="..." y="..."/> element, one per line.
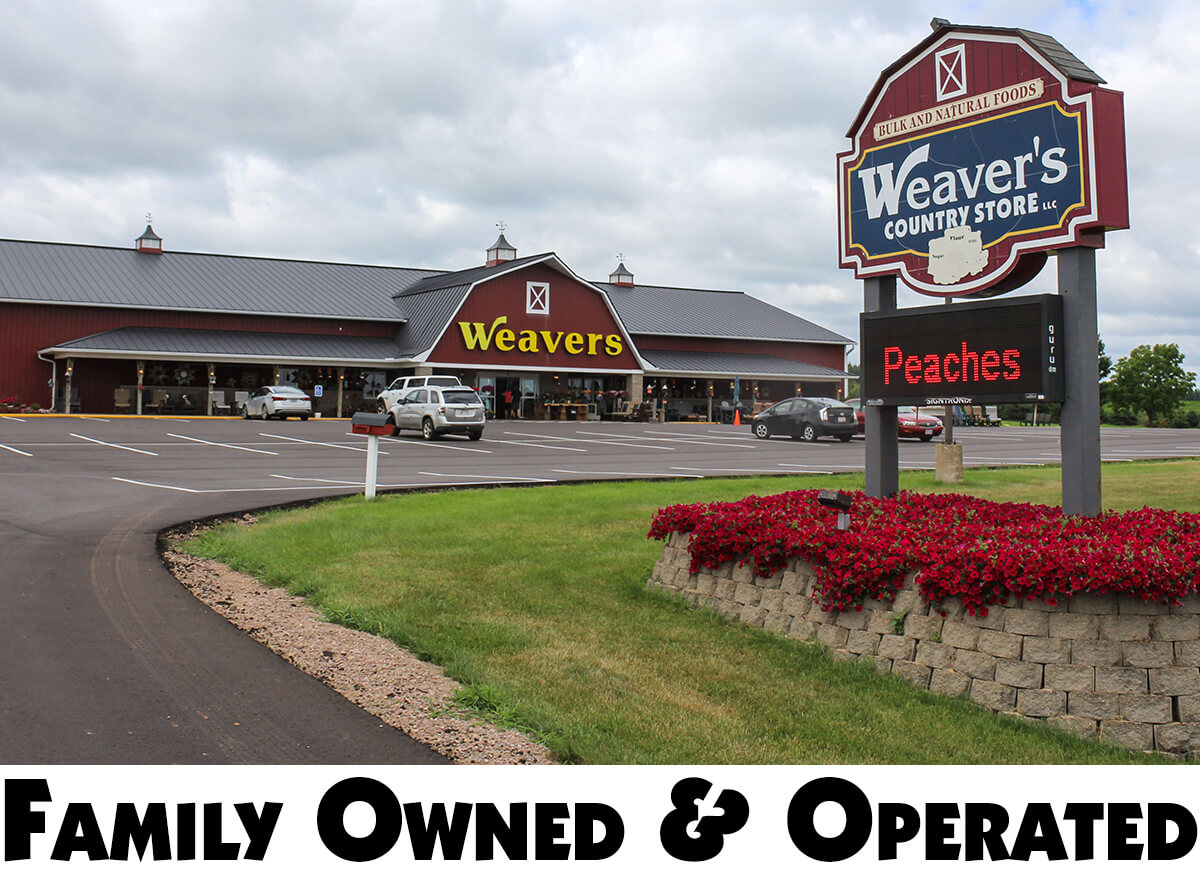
<point x="48" y="272"/>
<point x="420" y="302"/>
<point x="730" y="364"/>
<point x="204" y="344"/>
<point x="647" y="309"/>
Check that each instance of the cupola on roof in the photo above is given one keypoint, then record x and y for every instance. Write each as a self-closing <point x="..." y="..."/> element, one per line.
<point x="149" y="242"/>
<point x="621" y="275"/>
<point x="500" y="251"/>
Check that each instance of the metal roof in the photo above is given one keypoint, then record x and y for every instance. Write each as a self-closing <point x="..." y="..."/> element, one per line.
<point x="468" y="277"/>
<point x="428" y="314"/>
<point x="243" y="345"/>
<point x="662" y="311"/>
<point x="420" y="302"/>
<point x="49" y="272"/>
<point x="727" y="364"/>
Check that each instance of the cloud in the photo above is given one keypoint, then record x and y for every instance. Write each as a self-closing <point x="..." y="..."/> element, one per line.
<point x="698" y="138"/>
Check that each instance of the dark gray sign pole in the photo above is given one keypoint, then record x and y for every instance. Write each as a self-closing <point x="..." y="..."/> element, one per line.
<point x="1080" y="434"/>
<point x="883" y="444"/>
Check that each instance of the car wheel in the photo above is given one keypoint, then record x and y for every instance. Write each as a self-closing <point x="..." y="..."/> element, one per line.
<point x="809" y="433"/>
<point x="245" y="413"/>
<point x="926" y="438"/>
<point x="845" y="438"/>
<point x="395" y="428"/>
<point x="761" y="430"/>
<point x="475" y="435"/>
<point x="263" y="414"/>
<point x="304" y="417"/>
<point x="427" y="431"/>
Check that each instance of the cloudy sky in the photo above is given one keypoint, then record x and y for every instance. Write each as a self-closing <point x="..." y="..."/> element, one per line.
<point x="697" y="138"/>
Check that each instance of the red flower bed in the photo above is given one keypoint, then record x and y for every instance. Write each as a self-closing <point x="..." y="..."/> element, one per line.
<point x="980" y="551"/>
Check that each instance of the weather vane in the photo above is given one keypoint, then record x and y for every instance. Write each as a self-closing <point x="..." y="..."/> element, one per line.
<point x="148" y="219"/>
<point x="502" y="226"/>
<point x="620" y="257"/>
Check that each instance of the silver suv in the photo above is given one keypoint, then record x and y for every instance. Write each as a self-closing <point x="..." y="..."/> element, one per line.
<point x="398" y="388"/>
<point x="438" y="410"/>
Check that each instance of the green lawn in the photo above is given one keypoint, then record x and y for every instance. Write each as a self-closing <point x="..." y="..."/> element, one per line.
<point x="536" y="599"/>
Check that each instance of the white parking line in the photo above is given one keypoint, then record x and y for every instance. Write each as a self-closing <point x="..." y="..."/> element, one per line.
<point x="605" y="442"/>
<point x="536" y="444"/>
<point x="626" y="474"/>
<point x="225" y="445"/>
<point x="113" y="445"/>
<point x="15" y="450"/>
<point x="321" y="480"/>
<point x="90" y="418"/>
<point x="220" y="490"/>
<point x="683" y="439"/>
<point x="774" y="471"/>
<point x="311" y="442"/>
<point x="11" y="418"/>
<point x="434" y="444"/>
<point x="490" y="477"/>
<point x="1157" y="452"/>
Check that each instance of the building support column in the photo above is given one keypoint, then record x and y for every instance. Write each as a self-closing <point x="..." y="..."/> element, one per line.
<point x="141" y="371"/>
<point x="1080" y="431"/>
<point x="212" y="381"/>
<point x="637" y="387"/>
<point x="67" y="385"/>
<point x="883" y="443"/>
<point x="341" y="377"/>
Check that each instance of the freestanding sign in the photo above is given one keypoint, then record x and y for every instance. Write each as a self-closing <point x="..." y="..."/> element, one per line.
<point x="977" y="154"/>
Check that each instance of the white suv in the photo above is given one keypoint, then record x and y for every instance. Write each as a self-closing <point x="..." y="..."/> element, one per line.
<point x="397" y="389"/>
<point x="438" y="410"/>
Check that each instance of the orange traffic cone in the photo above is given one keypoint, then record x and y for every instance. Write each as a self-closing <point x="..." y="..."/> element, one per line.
<point x="737" y="417"/>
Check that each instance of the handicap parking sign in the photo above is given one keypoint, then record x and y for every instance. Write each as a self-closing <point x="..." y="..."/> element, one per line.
<point x="318" y="390"/>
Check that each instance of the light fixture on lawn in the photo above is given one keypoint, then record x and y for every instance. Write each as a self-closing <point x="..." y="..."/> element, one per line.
<point x="839" y="500"/>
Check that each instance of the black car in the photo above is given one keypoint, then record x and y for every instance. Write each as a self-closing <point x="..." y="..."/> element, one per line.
<point x="806" y="418"/>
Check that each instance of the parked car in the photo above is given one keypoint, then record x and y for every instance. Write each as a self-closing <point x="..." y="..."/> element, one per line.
<point x="805" y="418"/>
<point x="438" y="410"/>
<point x="910" y="421"/>
<point x="278" y="401"/>
<point x="404" y="384"/>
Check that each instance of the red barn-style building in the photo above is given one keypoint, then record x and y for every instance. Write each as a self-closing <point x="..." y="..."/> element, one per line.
<point x="146" y="330"/>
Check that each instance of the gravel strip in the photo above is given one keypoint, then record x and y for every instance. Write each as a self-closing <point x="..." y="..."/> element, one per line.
<point x="372" y="672"/>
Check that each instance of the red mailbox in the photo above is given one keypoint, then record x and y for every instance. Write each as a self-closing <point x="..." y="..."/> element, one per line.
<point x="370" y="424"/>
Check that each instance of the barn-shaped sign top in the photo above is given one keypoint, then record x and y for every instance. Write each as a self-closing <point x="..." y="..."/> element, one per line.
<point x="974" y="155"/>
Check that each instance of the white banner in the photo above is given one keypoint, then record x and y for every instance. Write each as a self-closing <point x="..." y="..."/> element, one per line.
<point x="559" y="817"/>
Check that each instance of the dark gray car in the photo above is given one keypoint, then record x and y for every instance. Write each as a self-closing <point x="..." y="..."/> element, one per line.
<point x="806" y="418"/>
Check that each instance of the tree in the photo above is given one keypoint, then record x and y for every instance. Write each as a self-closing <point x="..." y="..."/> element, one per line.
<point x="1104" y="363"/>
<point x="1152" y="380"/>
<point x="855" y="383"/>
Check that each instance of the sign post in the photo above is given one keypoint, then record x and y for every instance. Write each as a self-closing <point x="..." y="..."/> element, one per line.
<point x="372" y="426"/>
<point x="976" y="155"/>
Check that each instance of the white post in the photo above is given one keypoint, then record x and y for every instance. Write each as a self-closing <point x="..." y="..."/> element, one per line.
<point x="372" y="465"/>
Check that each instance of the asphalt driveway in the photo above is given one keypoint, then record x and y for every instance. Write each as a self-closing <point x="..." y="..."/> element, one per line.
<point x="105" y="658"/>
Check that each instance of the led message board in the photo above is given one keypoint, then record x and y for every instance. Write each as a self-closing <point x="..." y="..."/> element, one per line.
<point x="1002" y="351"/>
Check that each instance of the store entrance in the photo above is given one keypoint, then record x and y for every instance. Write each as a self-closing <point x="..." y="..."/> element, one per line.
<point x="508" y="397"/>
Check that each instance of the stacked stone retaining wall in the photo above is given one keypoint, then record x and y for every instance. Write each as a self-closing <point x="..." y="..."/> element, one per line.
<point x="1105" y="666"/>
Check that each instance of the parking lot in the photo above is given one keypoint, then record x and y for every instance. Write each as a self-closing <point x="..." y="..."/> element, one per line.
<point x="108" y="660"/>
<point x="287" y="460"/>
